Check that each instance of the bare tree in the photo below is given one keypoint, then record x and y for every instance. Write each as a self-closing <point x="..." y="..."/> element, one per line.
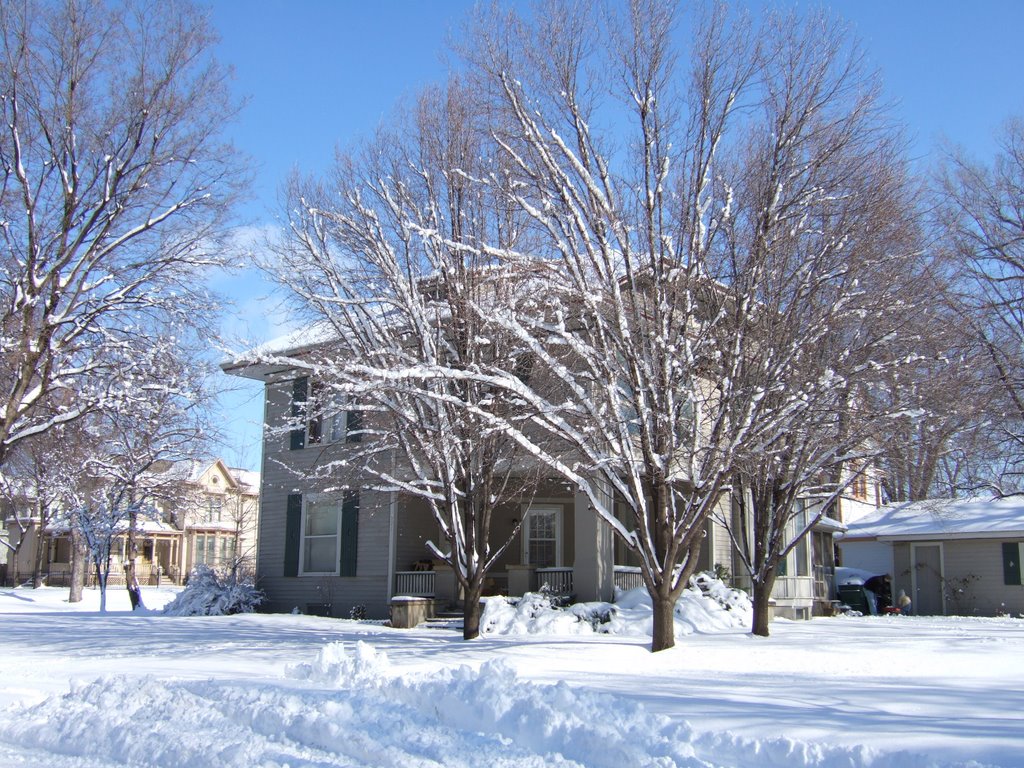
<point x="113" y="186"/>
<point x="242" y="510"/>
<point x="41" y="476"/>
<point x="823" y="239"/>
<point x="939" y="405"/>
<point x="981" y="211"/>
<point x="378" y="257"/>
<point x="167" y="422"/>
<point x="628" y="313"/>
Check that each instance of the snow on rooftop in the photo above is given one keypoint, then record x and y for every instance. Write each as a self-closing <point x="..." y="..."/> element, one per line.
<point x="943" y="517"/>
<point x="246" y="477"/>
<point x="308" y="336"/>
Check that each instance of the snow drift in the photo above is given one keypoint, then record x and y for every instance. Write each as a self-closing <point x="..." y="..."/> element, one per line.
<point x="350" y="707"/>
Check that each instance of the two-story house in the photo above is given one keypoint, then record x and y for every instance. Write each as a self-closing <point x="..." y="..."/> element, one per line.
<point x="204" y="513"/>
<point x="330" y="544"/>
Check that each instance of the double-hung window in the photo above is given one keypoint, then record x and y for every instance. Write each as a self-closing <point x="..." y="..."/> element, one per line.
<point x="206" y="549"/>
<point x="542" y="537"/>
<point x="316" y="416"/>
<point x="321" y="534"/>
<point x="214" y="508"/>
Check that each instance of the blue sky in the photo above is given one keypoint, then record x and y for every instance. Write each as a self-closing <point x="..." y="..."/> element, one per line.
<point x="319" y="74"/>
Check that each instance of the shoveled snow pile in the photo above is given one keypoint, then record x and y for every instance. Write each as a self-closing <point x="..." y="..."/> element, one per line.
<point x="708" y="605"/>
<point x="352" y="708"/>
<point x="210" y="593"/>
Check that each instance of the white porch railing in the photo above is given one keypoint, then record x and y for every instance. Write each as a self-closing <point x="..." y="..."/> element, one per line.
<point x="627" y="577"/>
<point x="557" y="580"/>
<point x="414" y="583"/>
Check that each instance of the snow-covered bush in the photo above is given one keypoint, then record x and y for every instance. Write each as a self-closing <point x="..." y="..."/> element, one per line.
<point x="714" y="587"/>
<point x="209" y="593"/>
<point x="709" y="605"/>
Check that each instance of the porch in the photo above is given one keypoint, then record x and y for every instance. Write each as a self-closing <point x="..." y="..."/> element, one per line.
<point x="554" y="542"/>
<point x="156" y="563"/>
<point x="440" y="581"/>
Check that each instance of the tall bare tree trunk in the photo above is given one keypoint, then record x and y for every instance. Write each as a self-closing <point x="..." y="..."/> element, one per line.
<point x="101" y="579"/>
<point x="471" y="609"/>
<point x="762" y="608"/>
<point x="131" y="577"/>
<point x="79" y="565"/>
<point x="663" y="633"/>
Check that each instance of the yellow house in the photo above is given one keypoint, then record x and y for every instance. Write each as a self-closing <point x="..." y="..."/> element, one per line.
<point x="206" y="515"/>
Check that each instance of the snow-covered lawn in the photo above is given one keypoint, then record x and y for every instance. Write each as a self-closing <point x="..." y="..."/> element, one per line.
<point x="83" y="689"/>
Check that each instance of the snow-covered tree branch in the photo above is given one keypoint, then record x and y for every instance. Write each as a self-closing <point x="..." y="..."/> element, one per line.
<point x="113" y="185"/>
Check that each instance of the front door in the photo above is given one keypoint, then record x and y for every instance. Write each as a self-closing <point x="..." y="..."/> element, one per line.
<point x="927" y="559"/>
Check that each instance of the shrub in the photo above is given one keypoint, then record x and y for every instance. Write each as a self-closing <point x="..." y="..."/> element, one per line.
<point x="209" y="593"/>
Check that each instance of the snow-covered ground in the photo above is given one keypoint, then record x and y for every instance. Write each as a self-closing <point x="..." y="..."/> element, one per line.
<point x="78" y="688"/>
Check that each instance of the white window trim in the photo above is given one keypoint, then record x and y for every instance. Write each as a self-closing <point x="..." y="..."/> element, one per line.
<point x="340" y="414"/>
<point x="524" y="533"/>
<point x="308" y="499"/>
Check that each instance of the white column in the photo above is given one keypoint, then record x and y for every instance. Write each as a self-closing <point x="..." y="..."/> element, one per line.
<point x="594" y="569"/>
<point x="392" y="542"/>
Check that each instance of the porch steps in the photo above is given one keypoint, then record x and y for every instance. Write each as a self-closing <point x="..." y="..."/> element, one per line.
<point x="444" y="620"/>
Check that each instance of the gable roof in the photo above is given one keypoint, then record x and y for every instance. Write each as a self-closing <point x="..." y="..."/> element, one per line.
<point x="984" y="517"/>
<point x="192" y="471"/>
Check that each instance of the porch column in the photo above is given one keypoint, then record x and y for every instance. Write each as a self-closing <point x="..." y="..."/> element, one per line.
<point x="446" y="586"/>
<point x="392" y="541"/>
<point x="593" y="572"/>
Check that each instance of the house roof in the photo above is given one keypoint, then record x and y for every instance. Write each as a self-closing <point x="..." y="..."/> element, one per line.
<point x="278" y="355"/>
<point x="246" y="477"/>
<point x="191" y="470"/>
<point x="982" y="517"/>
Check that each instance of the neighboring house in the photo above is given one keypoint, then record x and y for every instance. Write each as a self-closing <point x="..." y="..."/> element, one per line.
<point x="804" y="586"/>
<point x="951" y="556"/>
<point x="332" y="551"/>
<point x="206" y="513"/>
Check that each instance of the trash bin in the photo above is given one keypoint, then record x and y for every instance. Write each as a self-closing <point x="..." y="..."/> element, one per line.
<point x="858" y="597"/>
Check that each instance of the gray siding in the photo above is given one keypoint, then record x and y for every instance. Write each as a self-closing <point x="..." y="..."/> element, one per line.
<point x="874" y="556"/>
<point x="973" y="576"/>
<point x="286" y="471"/>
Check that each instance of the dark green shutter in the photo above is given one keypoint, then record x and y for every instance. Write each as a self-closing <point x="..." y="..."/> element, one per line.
<point x="1011" y="563"/>
<point x="298" y="434"/>
<point x="353" y="426"/>
<point x="293" y="534"/>
<point x="349" y="532"/>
